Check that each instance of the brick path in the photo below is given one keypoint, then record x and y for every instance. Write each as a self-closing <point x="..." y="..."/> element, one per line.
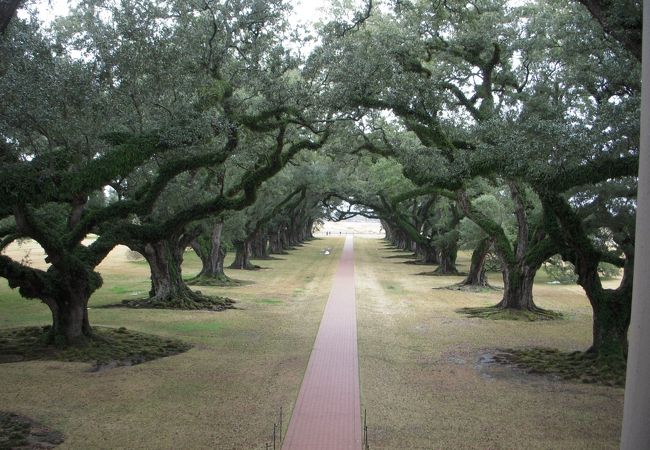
<point x="327" y="415"/>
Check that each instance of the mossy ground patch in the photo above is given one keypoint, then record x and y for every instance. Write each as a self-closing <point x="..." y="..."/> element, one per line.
<point x="579" y="366"/>
<point x="197" y="301"/>
<point x="109" y="347"/>
<point x="18" y="431"/>
<point x="495" y="313"/>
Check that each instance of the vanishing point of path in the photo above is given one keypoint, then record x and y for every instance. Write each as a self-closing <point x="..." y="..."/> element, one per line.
<point x="327" y="415"/>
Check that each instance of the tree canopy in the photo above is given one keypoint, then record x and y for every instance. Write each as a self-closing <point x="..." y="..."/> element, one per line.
<point x="482" y="124"/>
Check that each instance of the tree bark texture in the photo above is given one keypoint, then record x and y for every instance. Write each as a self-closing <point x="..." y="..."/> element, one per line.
<point x="167" y="286"/>
<point x="69" y="310"/>
<point x="518" y="287"/>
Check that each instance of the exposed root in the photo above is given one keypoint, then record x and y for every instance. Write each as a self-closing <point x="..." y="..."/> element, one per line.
<point x="499" y="313"/>
<point x="580" y="366"/>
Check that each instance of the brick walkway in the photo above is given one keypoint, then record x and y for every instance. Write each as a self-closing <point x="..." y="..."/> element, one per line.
<point x="327" y="415"/>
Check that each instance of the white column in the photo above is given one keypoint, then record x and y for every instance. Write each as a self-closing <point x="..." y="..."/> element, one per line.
<point x="636" y="416"/>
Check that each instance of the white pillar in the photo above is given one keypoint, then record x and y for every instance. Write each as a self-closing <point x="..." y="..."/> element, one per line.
<point x="636" y="415"/>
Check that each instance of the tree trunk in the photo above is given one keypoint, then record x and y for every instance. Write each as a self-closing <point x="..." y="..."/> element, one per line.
<point x="388" y="234"/>
<point x="611" y="307"/>
<point x="518" y="276"/>
<point x="212" y="256"/>
<point x="427" y="255"/>
<point x="70" y="325"/>
<point x="477" y="276"/>
<point x="275" y="243"/>
<point x="294" y="237"/>
<point x="260" y="246"/>
<point x="168" y="289"/>
<point x="243" y="256"/>
<point x="284" y="239"/>
<point x="7" y="11"/>
<point x="309" y="229"/>
<point x="403" y="241"/>
<point x="611" y="311"/>
<point x="520" y="259"/>
<point x="167" y="283"/>
<point x="611" y="322"/>
<point x="447" y="260"/>
<point x="69" y="308"/>
<point x="518" y="287"/>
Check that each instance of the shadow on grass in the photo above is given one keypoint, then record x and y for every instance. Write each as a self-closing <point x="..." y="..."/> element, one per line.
<point x="419" y="262"/>
<point x="434" y="273"/>
<point x="468" y="287"/>
<point x="402" y="256"/>
<point x="268" y="258"/>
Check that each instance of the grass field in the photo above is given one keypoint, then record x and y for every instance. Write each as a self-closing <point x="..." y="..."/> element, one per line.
<point x="422" y="382"/>
<point x="421" y="379"/>
<point x="225" y="393"/>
